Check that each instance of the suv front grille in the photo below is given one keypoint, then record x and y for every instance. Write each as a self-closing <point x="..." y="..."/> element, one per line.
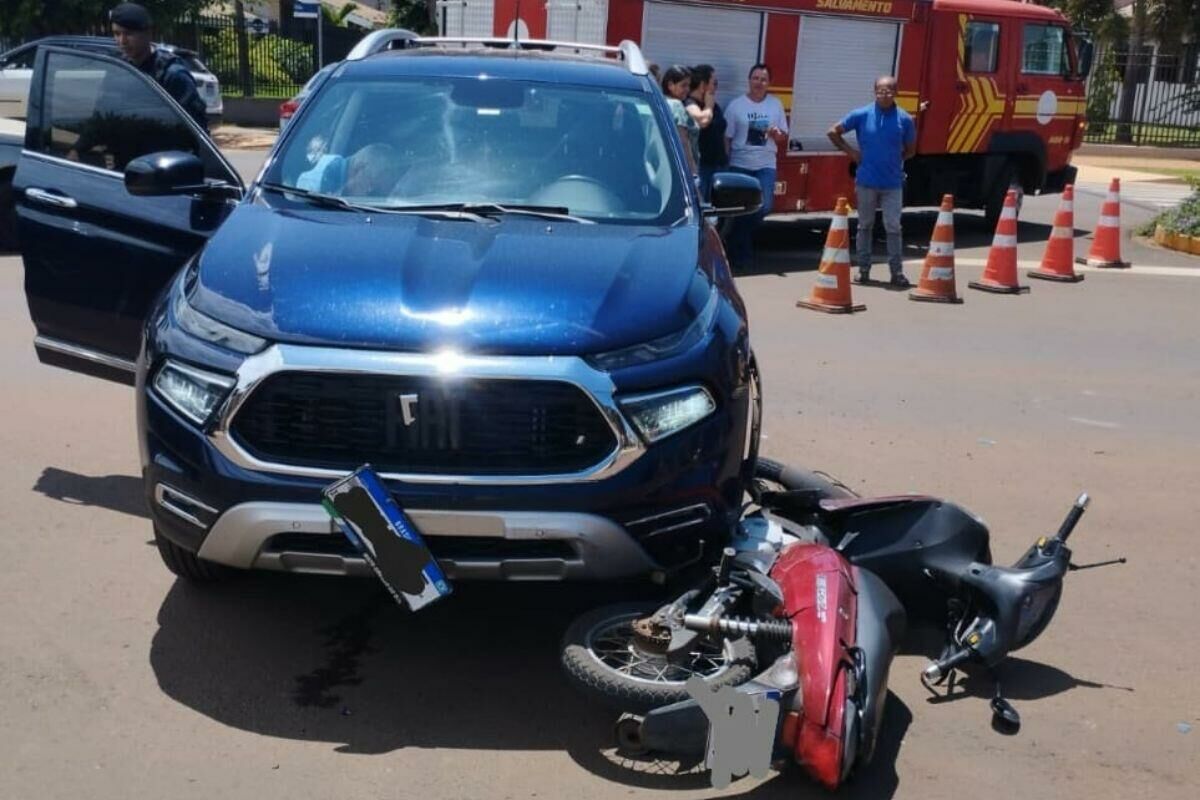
<point x="424" y="425"/>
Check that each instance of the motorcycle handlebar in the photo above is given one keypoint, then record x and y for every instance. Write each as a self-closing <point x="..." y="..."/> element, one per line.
<point x="938" y="669"/>
<point x="1068" y="525"/>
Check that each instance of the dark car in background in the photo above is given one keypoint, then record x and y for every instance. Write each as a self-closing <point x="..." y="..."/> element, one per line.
<point x="483" y="268"/>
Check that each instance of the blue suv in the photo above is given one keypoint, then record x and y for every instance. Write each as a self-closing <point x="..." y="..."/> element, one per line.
<point x="482" y="267"/>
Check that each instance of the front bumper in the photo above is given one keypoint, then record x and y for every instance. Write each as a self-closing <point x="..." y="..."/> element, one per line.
<point x="642" y="509"/>
<point x="301" y="537"/>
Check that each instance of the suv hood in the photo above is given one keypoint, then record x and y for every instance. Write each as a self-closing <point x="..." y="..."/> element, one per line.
<point x="516" y="285"/>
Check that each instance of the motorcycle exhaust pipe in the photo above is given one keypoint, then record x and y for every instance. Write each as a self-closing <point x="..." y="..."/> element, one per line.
<point x="776" y="629"/>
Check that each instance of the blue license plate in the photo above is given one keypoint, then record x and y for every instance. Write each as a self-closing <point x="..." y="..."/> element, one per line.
<point x="387" y="539"/>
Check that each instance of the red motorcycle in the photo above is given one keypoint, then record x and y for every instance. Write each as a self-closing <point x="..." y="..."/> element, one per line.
<point x="802" y="617"/>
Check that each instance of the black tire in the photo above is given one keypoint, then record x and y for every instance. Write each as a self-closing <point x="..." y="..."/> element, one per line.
<point x="796" y="479"/>
<point x="628" y="693"/>
<point x="188" y="566"/>
<point x="994" y="205"/>
<point x="8" y="215"/>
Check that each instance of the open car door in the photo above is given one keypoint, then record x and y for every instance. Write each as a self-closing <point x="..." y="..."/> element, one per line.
<point x="96" y="257"/>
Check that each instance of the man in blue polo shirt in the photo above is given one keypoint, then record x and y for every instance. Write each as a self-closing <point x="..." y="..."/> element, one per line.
<point x="886" y="138"/>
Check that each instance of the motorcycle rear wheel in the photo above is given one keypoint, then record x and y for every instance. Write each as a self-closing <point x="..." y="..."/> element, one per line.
<point x="603" y="659"/>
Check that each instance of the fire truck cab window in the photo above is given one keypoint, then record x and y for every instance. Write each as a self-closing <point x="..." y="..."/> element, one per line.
<point x="1045" y="51"/>
<point x="982" y="40"/>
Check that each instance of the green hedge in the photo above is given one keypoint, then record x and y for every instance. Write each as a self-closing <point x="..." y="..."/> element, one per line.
<point x="1183" y="218"/>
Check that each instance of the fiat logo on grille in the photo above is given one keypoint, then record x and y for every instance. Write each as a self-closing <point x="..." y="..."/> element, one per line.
<point x="408" y="403"/>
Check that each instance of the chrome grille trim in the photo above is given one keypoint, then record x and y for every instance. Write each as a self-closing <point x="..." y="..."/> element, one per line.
<point x="278" y="358"/>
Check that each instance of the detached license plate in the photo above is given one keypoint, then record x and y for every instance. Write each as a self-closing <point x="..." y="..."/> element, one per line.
<point x="742" y="726"/>
<point x="387" y="539"/>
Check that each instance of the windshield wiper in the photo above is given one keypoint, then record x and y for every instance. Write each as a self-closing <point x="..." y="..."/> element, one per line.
<point x="495" y="210"/>
<point x="318" y="199"/>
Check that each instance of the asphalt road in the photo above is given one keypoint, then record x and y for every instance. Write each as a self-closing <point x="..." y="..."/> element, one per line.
<point x="117" y="681"/>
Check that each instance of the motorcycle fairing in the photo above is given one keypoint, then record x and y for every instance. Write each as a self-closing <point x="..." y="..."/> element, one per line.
<point x="821" y="600"/>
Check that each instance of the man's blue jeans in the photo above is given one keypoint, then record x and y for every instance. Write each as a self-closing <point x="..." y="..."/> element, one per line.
<point x="741" y="235"/>
<point x="891" y="201"/>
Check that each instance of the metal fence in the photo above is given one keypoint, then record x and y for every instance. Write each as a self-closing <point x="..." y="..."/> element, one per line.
<point x="1146" y="97"/>
<point x="263" y="59"/>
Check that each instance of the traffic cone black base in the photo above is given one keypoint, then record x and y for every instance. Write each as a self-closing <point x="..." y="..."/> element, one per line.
<point x="933" y="298"/>
<point x="1104" y="264"/>
<point x="987" y="287"/>
<point x="1054" y="276"/>
<point x="850" y="309"/>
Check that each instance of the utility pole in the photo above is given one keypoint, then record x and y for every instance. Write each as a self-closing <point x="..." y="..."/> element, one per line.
<point x="243" y="46"/>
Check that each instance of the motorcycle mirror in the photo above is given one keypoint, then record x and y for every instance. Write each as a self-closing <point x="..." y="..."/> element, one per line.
<point x="1004" y="717"/>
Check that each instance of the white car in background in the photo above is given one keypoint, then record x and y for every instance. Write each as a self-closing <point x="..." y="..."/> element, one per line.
<point x="16" y="72"/>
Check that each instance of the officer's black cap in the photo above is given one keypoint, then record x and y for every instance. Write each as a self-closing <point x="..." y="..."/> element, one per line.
<point x="131" y="16"/>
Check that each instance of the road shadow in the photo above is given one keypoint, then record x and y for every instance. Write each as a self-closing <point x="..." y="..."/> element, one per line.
<point x="1021" y="680"/>
<point x="336" y="660"/>
<point x="122" y="493"/>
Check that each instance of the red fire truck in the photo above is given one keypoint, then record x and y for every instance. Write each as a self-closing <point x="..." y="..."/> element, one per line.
<point x="996" y="87"/>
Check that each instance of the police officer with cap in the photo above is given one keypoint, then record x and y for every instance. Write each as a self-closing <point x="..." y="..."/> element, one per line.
<point x="131" y="26"/>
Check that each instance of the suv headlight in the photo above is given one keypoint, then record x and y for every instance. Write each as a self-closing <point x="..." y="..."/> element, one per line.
<point x="671" y="344"/>
<point x="194" y="393"/>
<point x="205" y="327"/>
<point x="658" y="415"/>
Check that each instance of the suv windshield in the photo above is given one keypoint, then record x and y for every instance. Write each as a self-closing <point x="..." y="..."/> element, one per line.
<point x="403" y="142"/>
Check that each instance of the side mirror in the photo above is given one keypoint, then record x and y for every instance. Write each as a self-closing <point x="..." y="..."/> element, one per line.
<point x="734" y="195"/>
<point x="1085" y="54"/>
<point x="172" y="172"/>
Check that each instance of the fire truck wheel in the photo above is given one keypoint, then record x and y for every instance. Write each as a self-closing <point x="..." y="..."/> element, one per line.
<point x="1007" y="179"/>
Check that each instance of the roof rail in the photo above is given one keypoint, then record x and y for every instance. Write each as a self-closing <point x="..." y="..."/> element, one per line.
<point x="380" y="40"/>
<point x="627" y="50"/>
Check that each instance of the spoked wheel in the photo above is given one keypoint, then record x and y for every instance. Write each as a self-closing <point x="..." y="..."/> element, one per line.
<point x="607" y="658"/>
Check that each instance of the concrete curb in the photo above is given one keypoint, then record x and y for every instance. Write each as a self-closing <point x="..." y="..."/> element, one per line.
<point x="1179" y="242"/>
<point x="1139" y="151"/>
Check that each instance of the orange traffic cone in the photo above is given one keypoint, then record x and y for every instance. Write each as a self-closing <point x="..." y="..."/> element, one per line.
<point x="1058" y="263"/>
<point x="937" y="278"/>
<point x="1000" y="275"/>
<point x="832" y="290"/>
<point x="1106" y="244"/>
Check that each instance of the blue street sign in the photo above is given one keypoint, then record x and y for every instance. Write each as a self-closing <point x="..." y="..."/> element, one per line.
<point x="306" y="9"/>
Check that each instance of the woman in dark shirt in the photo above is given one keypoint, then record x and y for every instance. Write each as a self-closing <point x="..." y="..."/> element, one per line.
<point x="702" y="102"/>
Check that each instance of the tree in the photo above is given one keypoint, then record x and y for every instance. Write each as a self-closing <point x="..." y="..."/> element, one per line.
<point x="416" y="15"/>
<point x="29" y="19"/>
<point x="338" y="17"/>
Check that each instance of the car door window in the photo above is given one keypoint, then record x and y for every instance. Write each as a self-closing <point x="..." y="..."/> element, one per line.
<point x="1045" y="51"/>
<point x="981" y="46"/>
<point x="104" y="114"/>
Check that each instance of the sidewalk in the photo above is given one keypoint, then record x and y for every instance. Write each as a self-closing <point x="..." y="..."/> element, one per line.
<point x="235" y="137"/>
<point x="1099" y="169"/>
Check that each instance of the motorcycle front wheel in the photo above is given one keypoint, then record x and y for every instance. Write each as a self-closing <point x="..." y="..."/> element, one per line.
<point x="603" y="658"/>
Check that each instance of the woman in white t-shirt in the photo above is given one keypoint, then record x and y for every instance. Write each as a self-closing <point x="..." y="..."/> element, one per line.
<point x="757" y="126"/>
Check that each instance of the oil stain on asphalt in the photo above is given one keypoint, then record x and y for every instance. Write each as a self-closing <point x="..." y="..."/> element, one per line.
<point x="346" y="641"/>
